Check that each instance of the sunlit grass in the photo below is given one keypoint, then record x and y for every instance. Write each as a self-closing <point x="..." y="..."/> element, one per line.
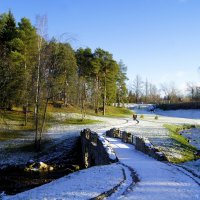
<point x="181" y="144"/>
<point x="112" y="111"/>
<point x="12" y="123"/>
<point x="64" y="109"/>
<point x="80" y="121"/>
<point x="8" y="135"/>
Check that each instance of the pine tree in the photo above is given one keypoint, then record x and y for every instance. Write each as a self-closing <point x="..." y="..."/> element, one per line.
<point x="27" y="34"/>
<point x="10" y="63"/>
<point x="122" y="91"/>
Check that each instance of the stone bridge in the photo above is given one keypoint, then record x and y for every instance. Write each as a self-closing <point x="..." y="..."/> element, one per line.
<point x="141" y="143"/>
<point x="96" y="149"/>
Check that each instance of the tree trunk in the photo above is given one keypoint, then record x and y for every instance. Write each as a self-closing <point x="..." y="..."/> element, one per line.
<point x="43" y="123"/>
<point x="25" y="109"/>
<point x="26" y="96"/>
<point x="65" y="94"/>
<point x="83" y="98"/>
<point x="104" y="95"/>
<point x="37" y="100"/>
<point x="97" y="95"/>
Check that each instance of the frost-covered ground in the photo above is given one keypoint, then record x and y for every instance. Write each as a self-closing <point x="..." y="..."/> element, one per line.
<point x="193" y="135"/>
<point x="85" y="184"/>
<point x="11" y="152"/>
<point x="157" y="180"/>
<point x="159" y="136"/>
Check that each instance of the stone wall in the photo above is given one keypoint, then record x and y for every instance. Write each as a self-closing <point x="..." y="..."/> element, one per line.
<point x="95" y="149"/>
<point x="141" y="144"/>
<point x="144" y="145"/>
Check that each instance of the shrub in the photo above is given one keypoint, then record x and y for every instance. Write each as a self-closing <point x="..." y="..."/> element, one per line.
<point x="142" y="116"/>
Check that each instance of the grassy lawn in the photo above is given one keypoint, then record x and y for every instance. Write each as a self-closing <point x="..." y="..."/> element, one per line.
<point x="80" y="121"/>
<point x="68" y="109"/>
<point x="117" y="112"/>
<point x="111" y="111"/>
<point x="7" y="135"/>
<point x="181" y="144"/>
<point x="12" y="122"/>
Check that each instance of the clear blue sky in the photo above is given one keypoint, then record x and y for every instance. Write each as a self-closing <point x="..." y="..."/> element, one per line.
<point x="157" y="39"/>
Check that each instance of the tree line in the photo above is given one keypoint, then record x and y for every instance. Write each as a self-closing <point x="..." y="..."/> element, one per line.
<point x="147" y="92"/>
<point x="35" y="71"/>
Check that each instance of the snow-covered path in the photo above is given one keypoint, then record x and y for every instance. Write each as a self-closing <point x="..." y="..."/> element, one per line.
<point x="158" y="181"/>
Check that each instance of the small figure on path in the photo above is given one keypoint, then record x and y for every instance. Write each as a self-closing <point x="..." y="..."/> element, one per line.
<point x="135" y="118"/>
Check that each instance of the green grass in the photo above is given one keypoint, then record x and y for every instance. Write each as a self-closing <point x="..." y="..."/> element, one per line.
<point x="80" y="121"/>
<point x="8" y="135"/>
<point x="12" y="122"/>
<point x="68" y="109"/>
<point x="112" y="111"/>
<point x="181" y="144"/>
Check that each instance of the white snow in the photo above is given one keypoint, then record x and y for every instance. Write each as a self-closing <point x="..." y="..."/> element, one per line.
<point x="193" y="135"/>
<point x="81" y="185"/>
<point x="192" y="166"/>
<point x="158" y="181"/>
<point x="107" y="147"/>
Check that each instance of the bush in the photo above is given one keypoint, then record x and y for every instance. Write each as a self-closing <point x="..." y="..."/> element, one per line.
<point x="156" y="117"/>
<point x="142" y="116"/>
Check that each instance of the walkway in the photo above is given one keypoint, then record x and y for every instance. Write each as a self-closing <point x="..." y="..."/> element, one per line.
<point x="158" y="181"/>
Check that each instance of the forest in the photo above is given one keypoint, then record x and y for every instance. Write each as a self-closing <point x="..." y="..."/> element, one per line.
<point x="36" y="71"/>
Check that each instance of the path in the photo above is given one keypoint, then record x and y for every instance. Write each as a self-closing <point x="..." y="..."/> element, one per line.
<point x="158" y="181"/>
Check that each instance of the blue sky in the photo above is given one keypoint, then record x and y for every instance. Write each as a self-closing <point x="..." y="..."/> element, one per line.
<point x="157" y="39"/>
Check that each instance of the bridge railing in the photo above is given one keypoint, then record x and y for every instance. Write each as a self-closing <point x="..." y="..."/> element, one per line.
<point x="141" y="143"/>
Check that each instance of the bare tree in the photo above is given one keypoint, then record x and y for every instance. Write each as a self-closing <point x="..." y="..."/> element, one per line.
<point x="41" y="30"/>
<point x="172" y="94"/>
<point x="137" y="87"/>
<point x="146" y="85"/>
<point x="154" y="94"/>
<point x="191" y="89"/>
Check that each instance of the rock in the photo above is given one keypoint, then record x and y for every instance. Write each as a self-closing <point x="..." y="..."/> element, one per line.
<point x="38" y="167"/>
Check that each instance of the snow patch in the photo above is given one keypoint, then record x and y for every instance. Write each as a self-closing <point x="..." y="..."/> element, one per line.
<point x="82" y="185"/>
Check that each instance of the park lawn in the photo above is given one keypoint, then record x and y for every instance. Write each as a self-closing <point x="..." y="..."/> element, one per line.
<point x="112" y="111"/>
<point x="80" y="121"/>
<point x="181" y="144"/>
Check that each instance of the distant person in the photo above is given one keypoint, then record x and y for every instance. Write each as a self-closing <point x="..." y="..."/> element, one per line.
<point x="135" y="118"/>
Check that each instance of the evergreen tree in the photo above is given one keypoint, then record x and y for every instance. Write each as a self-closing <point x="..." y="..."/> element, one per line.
<point x="84" y="62"/>
<point x="10" y="63"/>
<point x="108" y="76"/>
<point x="27" y="34"/>
<point x="122" y="91"/>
